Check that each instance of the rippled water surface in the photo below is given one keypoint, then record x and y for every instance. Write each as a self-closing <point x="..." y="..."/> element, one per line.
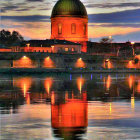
<point x="70" y="107"/>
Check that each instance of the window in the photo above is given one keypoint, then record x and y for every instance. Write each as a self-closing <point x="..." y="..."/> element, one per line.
<point x="59" y="28"/>
<point x="73" y="28"/>
<point x="66" y="49"/>
<point x="85" y="29"/>
<point x="73" y="50"/>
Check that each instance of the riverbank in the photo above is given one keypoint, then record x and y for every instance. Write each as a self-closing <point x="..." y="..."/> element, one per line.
<point x="62" y="70"/>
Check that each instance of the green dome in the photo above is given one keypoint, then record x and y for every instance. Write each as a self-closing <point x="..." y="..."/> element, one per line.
<point x="74" y="8"/>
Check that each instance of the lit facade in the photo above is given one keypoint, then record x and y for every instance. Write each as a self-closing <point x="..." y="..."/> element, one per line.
<point x="69" y="21"/>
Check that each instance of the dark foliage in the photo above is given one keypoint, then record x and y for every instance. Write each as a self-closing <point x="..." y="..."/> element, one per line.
<point x="8" y="38"/>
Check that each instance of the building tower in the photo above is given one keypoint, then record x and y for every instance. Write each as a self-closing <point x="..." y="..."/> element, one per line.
<point x="69" y="21"/>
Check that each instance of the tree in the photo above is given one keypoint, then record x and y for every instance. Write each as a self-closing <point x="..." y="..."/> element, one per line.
<point x="7" y="38"/>
<point x="105" y="44"/>
<point x="106" y="40"/>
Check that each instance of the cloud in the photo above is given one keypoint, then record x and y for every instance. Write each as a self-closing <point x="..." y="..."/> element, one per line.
<point x="128" y="16"/>
<point x="113" y="5"/>
<point x="35" y="0"/>
<point x="33" y="18"/>
<point x="123" y="25"/>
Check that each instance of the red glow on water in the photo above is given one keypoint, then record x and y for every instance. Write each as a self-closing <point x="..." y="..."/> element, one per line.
<point x="48" y="84"/>
<point x="107" y="82"/>
<point x="131" y="81"/>
<point x="23" y="83"/>
<point x="80" y="82"/>
<point x="70" y="114"/>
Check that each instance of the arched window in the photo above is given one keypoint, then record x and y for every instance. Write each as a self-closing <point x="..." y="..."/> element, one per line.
<point x="59" y="28"/>
<point x="73" y="28"/>
<point x="85" y="29"/>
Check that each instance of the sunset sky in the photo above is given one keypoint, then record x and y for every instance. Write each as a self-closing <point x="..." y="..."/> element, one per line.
<point x="120" y="18"/>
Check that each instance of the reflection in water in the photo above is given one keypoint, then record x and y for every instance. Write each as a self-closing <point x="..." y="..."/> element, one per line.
<point x="48" y="84"/>
<point x="69" y="117"/>
<point x="107" y="82"/>
<point x="80" y="83"/>
<point x="39" y="104"/>
<point x="131" y="81"/>
<point x="23" y="83"/>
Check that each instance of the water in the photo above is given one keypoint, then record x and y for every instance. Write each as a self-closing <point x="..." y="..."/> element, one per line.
<point x="70" y="107"/>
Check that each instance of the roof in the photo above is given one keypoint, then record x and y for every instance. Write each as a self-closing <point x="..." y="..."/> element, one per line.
<point x="49" y="43"/>
<point x="73" y="8"/>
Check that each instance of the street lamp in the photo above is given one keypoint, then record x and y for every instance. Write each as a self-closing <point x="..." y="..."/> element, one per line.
<point x="133" y="43"/>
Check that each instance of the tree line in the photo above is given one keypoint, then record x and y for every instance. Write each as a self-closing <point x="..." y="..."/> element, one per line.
<point x="8" y="38"/>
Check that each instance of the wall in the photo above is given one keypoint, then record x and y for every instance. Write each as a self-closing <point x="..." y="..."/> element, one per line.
<point x="50" y="60"/>
<point x="66" y="22"/>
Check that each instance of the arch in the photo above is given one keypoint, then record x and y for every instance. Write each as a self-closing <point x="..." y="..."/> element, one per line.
<point x="59" y="28"/>
<point x="73" y="28"/>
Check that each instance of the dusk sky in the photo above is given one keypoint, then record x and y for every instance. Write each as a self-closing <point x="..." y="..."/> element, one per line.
<point x="117" y="18"/>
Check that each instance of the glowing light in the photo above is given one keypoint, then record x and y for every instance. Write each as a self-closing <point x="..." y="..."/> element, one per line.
<point x="131" y="81"/>
<point x="110" y="107"/>
<point x="23" y="62"/>
<point x="48" y="84"/>
<point x="131" y="64"/>
<point x="80" y="63"/>
<point x="80" y="83"/>
<point x="107" y="64"/>
<point x="132" y="43"/>
<point x="52" y="48"/>
<point x="77" y="110"/>
<point x="23" y="83"/>
<point x="132" y="102"/>
<point x="48" y="63"/>
<point x="108" y="83"/>
<point x="138" y="87"/>
<point x="53" y="98"/>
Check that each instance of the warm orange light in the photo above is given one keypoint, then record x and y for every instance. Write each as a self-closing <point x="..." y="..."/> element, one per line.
<point x="24" y="62"/>
<point x="107" y="64"/>
<point x="28" y="98"/>
<point x="131" y="81"/>
<point x="132" y="102"/>
<point x="80" y="63"/>
<point x="132" y="43"/>
<point x="48" y="63"/>
<point x="80" y="83"/>
<point x="138" y="87"/>
<point x="71" y="114"/>
<point x="23" y="83"/>
<point x="48" y="84"/>
<point x="108" y="82"/>
<point x="130" y="64"/>
<point x="53" y="98"/>
<point x="52" y="48"/>
<point x="110" y="107"/>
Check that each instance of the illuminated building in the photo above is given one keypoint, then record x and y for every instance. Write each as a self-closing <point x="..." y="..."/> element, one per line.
<point x="69" y="21"/>
<point x="50" y="46"/>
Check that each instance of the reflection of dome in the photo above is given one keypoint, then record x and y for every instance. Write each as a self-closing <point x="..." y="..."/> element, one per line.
<point x="73" y="8"/>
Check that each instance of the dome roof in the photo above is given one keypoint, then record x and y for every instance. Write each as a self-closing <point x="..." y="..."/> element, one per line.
<point x="73" y="8"/>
